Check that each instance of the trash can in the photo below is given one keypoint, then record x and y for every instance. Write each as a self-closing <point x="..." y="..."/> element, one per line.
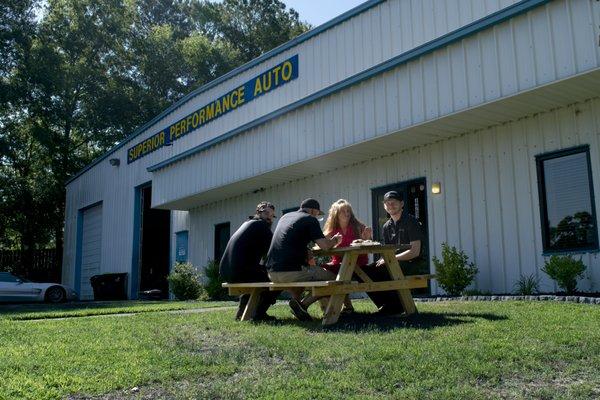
<point x="109" y="286"/>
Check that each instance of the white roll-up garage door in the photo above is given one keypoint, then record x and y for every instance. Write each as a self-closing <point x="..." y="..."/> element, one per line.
<point x="91" y="248"/>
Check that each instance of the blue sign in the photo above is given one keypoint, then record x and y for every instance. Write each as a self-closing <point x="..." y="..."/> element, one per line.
<point x="264" y="83"/>
<point x="181" y="246"/>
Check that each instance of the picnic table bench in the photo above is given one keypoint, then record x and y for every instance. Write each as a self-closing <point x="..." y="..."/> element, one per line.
<point x="343" y="284"/>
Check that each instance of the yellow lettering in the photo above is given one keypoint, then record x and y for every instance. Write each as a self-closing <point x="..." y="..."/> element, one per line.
<point x="162" y="137"/>
<point x="225" y="104"/>
<point x="131" y="154"/>
<point x="240" y="94"/>
<point x="195" y="120"/>
<point x="276" y="73"/>
<point x="217" y="107"/>
<point x="171" y="132"/>
<point x="266" y="86"/>
<point x="286" y="71"/>
<point x="210" y="111"/>
<point x="257" y="88"/>
<point x="202" y="112"/>
<point x="188" y="123"/>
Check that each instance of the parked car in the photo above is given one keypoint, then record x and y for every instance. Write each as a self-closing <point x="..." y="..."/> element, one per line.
<point x="14" y="288"/>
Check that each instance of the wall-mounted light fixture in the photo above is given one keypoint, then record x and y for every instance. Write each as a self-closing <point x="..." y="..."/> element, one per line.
<point x="436" y="188"/>
<point x="115" y="162"/>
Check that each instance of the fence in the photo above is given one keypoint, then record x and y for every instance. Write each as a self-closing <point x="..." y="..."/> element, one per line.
<point x="37" y="265"/>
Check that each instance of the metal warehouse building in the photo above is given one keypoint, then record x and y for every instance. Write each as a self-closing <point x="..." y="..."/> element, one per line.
<point x="496" y="103"/>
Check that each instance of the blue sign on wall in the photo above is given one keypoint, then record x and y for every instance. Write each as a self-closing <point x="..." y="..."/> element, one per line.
<point x="181" y="246"/>
<point x="269" y="80"/>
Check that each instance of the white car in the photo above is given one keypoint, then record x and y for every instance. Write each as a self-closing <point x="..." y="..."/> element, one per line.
<point x="13" y="288"/>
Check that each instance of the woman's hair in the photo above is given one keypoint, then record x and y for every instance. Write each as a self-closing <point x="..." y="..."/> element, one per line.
<point x="333" y="222"/>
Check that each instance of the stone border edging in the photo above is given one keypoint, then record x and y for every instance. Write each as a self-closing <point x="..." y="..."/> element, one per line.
<point x="570" y="299"/>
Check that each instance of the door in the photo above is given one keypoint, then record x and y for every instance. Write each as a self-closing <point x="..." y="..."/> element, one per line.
<point x="91" y="249"/>
<point x="414" y="193"/>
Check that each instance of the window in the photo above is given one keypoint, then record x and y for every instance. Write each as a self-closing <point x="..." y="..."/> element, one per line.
<point x="567" y="209"/>
<point x="221" y="239"/>
<point x="7" y="277"/>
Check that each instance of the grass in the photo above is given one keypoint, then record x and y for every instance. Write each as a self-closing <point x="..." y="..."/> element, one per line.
<point x="84" y="309"/>
<point x="471" y="350"/>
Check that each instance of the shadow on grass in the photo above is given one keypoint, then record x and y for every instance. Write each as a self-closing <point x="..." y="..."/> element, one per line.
<point x="359" y="322"/>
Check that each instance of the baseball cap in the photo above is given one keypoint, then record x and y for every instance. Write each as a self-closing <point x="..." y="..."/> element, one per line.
<point x="312" y="203"/>
<point x="392" y="195"/>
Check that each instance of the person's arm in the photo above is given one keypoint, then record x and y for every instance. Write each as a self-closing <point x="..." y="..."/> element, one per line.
<point x="326" y="244"/>
<point x="414" y="251"/>
<point x="366" y="233"/>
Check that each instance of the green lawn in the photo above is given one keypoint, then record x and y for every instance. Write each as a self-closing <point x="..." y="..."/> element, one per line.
<point x="82" y="309"/>
<point x="471" y="350"/>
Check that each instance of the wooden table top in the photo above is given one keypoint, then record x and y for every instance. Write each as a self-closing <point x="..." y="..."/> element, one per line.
<point x="362" y="249"/>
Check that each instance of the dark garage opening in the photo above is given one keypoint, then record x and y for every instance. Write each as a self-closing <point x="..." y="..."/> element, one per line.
<point x="154" y="246"/>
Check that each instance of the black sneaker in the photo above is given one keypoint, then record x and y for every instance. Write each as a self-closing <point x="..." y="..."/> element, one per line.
<point x="299" y="311"/>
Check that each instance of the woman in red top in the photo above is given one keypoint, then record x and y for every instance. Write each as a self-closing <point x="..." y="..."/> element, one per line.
<point x="341" y="220"/>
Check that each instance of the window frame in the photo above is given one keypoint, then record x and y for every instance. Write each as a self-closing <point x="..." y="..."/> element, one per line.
<point x="539" y="159"/>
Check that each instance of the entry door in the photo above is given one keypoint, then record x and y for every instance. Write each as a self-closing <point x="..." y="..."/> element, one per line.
<point x="91" y="248"/>
<point x="415" y="202"/>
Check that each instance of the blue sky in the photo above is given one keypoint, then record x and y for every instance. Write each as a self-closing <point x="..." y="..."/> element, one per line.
<point x="317" y="12"/>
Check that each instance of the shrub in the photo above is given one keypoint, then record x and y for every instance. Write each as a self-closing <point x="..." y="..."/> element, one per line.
<point x="212" y="282"/>
<point x="564" y="270"/>
<point x="527" y="285"/>
<point x="184" y="282"/>
<point x="454" y="273"/>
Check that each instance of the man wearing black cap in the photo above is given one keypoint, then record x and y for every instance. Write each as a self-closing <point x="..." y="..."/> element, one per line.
<point x="287" y="257"/>
<point x="401" y="228"/>
<point x="241" y="260"/>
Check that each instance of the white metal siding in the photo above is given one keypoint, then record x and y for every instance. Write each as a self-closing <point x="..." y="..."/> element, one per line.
<point x="489" y="205"/>
<point x="478" y="70"/>
<point x="91" y="249"/>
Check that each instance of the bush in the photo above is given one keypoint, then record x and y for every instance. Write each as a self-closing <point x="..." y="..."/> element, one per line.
<point x="213" y="281"/>
<point x="527" y="285"/>
<point x="454" y="273"/>
<point x="564" y="270"/>
<point x="184" y="282"/>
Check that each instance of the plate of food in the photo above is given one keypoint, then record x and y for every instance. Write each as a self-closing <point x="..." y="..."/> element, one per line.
<point x="367" y="242"/>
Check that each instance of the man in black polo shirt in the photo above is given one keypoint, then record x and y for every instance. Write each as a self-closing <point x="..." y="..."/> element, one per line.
<point x="287" y="257"/>
<point x="241" y="260"/>
<point x="401" y="228"/>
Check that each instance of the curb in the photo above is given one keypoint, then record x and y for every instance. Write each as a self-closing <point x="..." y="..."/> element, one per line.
<point x="570" y="299"/>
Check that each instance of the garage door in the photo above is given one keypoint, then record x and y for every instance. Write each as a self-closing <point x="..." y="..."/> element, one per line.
<point x="91" y="247"/>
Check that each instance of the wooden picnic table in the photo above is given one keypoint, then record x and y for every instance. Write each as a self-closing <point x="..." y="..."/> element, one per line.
<point x="348" y="267"/>
<point x="343" y="284"/>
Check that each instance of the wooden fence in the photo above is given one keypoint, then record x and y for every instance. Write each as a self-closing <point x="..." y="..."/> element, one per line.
<point x="37" y="265"/>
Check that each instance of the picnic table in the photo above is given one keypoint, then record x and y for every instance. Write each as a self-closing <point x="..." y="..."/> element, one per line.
<point x="343" y="284"/>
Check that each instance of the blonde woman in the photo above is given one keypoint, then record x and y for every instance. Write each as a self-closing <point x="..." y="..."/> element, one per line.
<point x="341" y="220"/>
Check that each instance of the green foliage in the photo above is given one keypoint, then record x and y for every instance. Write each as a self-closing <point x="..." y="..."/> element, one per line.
<point x="527" y="285"/>
<point x="212" y="282"/>
<point x="184" y="282"/>
<point x="564" y="270"/>
<point x="78" y="76"/>
<point x="454" y="272"/>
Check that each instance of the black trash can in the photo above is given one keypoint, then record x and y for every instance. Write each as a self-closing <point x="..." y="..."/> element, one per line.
<point x="109" y="286"/>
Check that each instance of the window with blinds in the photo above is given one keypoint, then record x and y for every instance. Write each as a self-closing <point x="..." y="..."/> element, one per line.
<point x="567" y="209"/>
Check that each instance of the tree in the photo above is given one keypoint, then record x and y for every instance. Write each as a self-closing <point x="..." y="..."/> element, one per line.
<point x="81" y="76"/>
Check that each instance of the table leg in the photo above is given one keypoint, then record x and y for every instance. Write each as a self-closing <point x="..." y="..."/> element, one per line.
<point x="252" y="305"/>
<point x="396" y="273"/>
<point x="334" y="307"/>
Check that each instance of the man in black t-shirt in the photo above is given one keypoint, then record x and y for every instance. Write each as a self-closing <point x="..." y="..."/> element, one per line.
<point x="401" y="228"/>
<point x="287" y="257"/>
<point x="242" y="256"/>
